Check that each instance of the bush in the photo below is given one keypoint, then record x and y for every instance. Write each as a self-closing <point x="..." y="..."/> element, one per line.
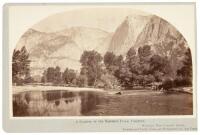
<point x="182" y="82"/>
<point x="167" y="84"/>
<point x="18" y="81"/>
<point x="108" y="81"/>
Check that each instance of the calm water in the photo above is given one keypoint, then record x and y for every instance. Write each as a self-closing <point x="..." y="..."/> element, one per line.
<point x="130" y="103"/>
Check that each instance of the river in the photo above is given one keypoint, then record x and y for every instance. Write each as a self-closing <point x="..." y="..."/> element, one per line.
<point x="91" y="103"/>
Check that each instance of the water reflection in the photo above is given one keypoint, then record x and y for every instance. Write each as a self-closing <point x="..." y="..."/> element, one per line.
<point x="67" y="103"/>
<point x="53" y="103"/>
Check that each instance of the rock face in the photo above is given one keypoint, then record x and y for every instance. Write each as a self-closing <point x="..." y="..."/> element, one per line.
<point x="126" y="34"/>
<point x="162" y="36"/>
<point x="64" y="48"/>
<point x="87" y="38"/>
<point x="164" y="40"/>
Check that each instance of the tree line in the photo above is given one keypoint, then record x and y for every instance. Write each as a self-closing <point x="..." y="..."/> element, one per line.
<point x="140" y="67"/>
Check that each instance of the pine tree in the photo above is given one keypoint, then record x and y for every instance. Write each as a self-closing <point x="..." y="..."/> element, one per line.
<point x="20" y="65"/>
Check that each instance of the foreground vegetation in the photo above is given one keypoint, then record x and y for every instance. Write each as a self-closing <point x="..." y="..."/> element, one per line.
<point x="139" y="67"/>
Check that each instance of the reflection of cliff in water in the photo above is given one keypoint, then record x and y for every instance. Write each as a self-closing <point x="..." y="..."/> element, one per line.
<point x="53" y="103"/>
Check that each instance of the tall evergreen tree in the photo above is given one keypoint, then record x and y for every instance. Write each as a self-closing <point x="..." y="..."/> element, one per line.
<point x="20" y="65"/>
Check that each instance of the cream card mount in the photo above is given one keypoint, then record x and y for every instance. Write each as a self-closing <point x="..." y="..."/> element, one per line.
<point x="99" y="67"/>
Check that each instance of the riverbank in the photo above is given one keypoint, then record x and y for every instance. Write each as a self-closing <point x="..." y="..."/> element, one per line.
<point x="188" y="90"/>
<point x="18" y="89"/>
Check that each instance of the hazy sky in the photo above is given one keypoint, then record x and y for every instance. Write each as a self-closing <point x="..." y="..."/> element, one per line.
<point x="107" y="19"/>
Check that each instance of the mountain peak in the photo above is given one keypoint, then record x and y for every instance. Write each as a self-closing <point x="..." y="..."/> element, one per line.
<point x="30" y="31"/>
<point x="126" y="34"/>
<point x="62" y="48"/>
<point x="136" y="17"/>
<point x="157" y="30"/>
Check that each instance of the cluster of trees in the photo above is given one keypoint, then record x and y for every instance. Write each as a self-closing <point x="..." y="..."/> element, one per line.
<point x="55" y="76"/>
<point x="143" y="67"/>
<point x="92" y="67"/>
<point x="140" y="67"/>
<point x="184" y="74"/>
<point x="93" y="72"/>
<point x="21" y="67"/>
<point x="52" y="75"/>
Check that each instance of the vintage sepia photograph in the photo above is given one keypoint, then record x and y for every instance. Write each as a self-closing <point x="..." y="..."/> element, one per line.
<point x="105" y="61"/>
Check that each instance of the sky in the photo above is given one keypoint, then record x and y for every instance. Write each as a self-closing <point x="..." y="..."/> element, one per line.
<point x="107" y="19"/>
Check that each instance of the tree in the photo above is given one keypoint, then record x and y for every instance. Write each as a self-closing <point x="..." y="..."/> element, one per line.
<point x="186" y="71"/>
<point x="157" y="63"/>
<point x="119" y="60"/>
<point x="131" y="53"/>
<point x="112" y="62"/>
<point x="53" y="75"/>
<point x="44" y="77"/>
<point x="82" y="81"/>
<point x="109" y="61"/>
<point x="159" y="67"/>
<point x="148" y="79"/>
<point x="68" y="76"/>
<point x="50" y="74"/>
<point x="133" y="67"/>
<point x="91" y="62"/>
<point x="109" y="58"/>
<point x="131" y="59"/>
<point x="57" y="75"/>
<point x="28" y="78"/>
<point x="108" y="81"/>
<point x="124" y="75"/>
<point x="144" y="52"/>
<point x="142" y="68"/>
<point x="20" y="65"/>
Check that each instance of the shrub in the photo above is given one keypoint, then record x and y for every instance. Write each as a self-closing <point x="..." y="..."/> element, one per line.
<point x="167" y="84"/>
<point x="108" y="81"/>
<point x="182" y="82"/>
